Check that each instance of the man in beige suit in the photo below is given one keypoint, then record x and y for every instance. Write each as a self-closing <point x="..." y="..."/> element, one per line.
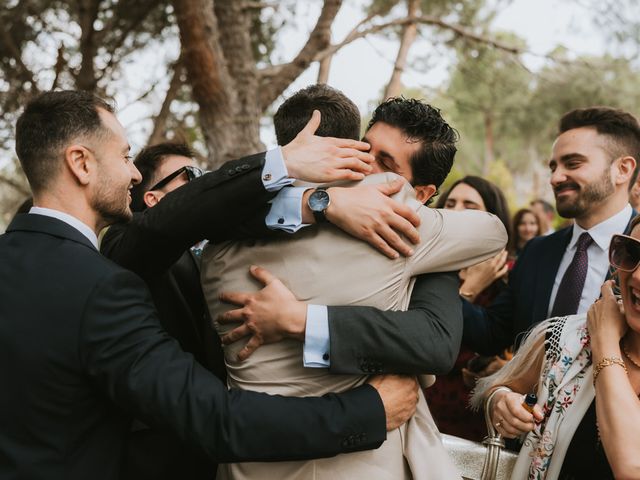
<point x="323" y="265"/>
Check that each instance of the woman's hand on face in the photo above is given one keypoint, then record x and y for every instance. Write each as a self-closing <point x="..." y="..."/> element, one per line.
<point x="510" y="418"/>
<point x="478" y="277"/>
<point x="605" y="319"/>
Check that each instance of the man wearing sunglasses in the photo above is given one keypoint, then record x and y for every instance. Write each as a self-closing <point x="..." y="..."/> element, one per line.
<point x="154" y="453"/>
<point x="593" y="162"/>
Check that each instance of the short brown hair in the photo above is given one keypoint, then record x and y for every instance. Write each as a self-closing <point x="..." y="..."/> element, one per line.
<point x="45" y="126"/>
<point x="340" y="117"/>
<point x="621" y="128"/>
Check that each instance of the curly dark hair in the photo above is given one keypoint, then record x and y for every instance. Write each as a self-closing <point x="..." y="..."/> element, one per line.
<point x="421" y="122"/>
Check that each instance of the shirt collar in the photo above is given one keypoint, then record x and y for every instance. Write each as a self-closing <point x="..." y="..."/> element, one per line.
<point x="602" y="232"/>
<point x="69" y="220"/>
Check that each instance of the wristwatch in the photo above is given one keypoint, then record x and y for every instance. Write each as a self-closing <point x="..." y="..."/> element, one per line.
<point x="318" y="203"/>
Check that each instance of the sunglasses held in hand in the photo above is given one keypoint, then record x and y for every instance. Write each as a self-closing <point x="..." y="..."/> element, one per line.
<point x="191" y="171"/>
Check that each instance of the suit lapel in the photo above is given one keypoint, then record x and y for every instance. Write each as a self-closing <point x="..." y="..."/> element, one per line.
<point x="627" y="229"/>
<point x="553" y="248"/>
<point x="31" y="222"/>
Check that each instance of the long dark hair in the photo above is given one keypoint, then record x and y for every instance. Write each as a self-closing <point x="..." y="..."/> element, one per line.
<point x="514" y="239"/>
<point x="493" y="198"/>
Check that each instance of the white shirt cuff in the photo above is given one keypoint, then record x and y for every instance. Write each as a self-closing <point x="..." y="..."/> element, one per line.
<point x="316" y="338"/>
<point x="286" y="210"/>
<point x="274" y="173"/>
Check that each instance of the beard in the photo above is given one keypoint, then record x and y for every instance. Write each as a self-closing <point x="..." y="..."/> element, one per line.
<point x="111" y="204"/>
<point x="586" y="197"/>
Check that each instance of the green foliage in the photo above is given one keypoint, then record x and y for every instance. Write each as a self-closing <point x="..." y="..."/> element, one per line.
<point x="584" y="82"/>
<point x="488" y="90"/>
<point x="524" y="107"/>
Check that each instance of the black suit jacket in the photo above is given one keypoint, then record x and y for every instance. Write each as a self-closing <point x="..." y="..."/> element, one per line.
<point x="525" y="301"/>
<point x="156" y="243"/>
<point x="214" y="206"/>
<point x="81" y="349"/>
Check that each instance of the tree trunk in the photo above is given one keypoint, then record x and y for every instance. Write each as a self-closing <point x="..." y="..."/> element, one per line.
<point x="489" y="147"/>
<point x="234" y="22"/>
<point x="88" y="12"/>
<point x="324" y="70"/>
<point x="160" y="121"/>
<point x="536" y="189"/>
<point x="408" y="36"/>
<point x="211" y="83"/>
<point x="274" y="81"/>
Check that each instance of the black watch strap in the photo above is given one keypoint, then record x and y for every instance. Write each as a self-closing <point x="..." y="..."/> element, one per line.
<point x="320" y="214"/>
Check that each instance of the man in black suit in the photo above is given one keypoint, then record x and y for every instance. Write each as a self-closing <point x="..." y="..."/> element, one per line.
<point x="177" y="296"/>
<point x="593" y="162"/>
<point x="81" y="345"/>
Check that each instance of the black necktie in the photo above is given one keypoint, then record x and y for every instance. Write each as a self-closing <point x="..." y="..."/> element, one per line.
<point x="570" y="289"/>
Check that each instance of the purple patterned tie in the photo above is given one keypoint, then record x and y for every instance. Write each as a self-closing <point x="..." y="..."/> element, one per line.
<point x="570" y="289"/>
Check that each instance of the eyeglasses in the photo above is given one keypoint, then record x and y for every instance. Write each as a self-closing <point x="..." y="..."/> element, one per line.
<point x="624" y="253"/>
<point x="191" y="171"/>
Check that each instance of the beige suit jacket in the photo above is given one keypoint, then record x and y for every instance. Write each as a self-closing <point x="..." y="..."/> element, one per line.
<point x="323" y="265"/>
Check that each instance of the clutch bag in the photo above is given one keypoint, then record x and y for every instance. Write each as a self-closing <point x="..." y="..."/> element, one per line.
<point x="481" y="461"/>
<point x="472" y="457"/>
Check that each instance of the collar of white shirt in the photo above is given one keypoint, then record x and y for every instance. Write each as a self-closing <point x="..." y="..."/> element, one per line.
<point x="83" y="228"/>
<point x="602" y="232"/>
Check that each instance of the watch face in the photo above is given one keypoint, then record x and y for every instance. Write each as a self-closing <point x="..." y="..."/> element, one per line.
<point x="319" y="201"/>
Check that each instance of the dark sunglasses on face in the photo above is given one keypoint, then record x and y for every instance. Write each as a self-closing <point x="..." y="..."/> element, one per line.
<point x="624" y="253"/>
<point x="192" y="173"/>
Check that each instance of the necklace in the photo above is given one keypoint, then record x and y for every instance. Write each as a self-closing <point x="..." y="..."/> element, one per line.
<point x="626" y="354"/>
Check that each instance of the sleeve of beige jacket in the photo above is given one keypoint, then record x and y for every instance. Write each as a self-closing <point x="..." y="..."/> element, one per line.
<point x="451" y="240"/>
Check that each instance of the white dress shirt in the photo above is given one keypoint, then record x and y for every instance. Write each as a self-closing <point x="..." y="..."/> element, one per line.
<point x="83" y="228"/>
<point x="598" y="255"/>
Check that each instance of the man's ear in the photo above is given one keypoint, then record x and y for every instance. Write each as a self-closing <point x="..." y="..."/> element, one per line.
<point x="625" y="169"/>
<point x="80" y="163"/>
<point x="424" y="192"/>
<point x="152" y="197"/>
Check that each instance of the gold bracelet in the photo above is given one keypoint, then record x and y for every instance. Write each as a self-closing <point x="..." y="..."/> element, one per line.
<point x="607" y="362"/>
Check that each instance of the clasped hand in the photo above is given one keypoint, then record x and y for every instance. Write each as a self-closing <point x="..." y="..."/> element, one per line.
<point x="268" y="315"/>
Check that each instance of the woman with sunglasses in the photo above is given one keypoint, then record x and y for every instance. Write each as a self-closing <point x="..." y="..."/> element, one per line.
<point x="585" y="370"/>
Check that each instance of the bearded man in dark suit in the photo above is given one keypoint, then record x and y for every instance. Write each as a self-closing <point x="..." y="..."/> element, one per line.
<point x="82" y="348"/>
<point x="593" y="163"/>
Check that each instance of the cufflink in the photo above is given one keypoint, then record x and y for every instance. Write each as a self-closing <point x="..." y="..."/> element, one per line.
<point x="266" y="177"/>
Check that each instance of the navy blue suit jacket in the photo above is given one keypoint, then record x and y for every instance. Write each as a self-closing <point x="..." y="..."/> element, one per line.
<point x="524" y="302"/>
